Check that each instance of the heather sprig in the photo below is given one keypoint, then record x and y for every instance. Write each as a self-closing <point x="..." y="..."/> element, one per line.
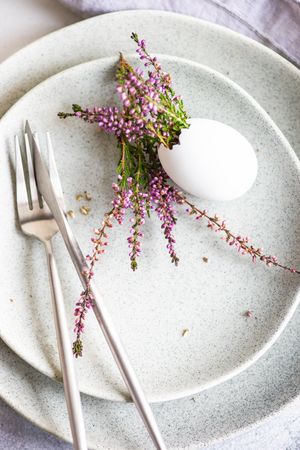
<point x="85" y="302"/>
<point x="242" y="244"/>
<point x="149" y="113"/>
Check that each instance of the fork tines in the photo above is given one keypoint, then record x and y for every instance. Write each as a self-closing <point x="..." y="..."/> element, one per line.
<point x="27" y="191"/>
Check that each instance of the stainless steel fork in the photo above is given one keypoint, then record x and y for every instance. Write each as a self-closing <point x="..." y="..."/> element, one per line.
<point x="37" y="220"/>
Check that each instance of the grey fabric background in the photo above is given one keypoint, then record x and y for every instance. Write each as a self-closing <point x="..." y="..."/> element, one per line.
<point x="276" y="23"/>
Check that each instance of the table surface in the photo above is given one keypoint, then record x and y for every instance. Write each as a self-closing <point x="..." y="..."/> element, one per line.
<point x="21" y="22"/>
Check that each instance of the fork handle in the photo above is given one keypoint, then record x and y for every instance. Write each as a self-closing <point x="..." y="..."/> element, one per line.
<point x="72" y="394"/>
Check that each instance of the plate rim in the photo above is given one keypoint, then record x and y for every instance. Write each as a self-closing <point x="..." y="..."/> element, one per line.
<point x="17" y="407"/>
<point x="135" y="12"/>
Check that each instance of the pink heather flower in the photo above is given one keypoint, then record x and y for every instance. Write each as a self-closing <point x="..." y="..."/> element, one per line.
<point x="164" y="197"/>
<point x="241" y="243"/>
<point x="145" y="101"/>
<point x="150" y="113"/>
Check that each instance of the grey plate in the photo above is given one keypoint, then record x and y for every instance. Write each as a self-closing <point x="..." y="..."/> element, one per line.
<point x="274" y="380"/>
<point x="153" y="305"/>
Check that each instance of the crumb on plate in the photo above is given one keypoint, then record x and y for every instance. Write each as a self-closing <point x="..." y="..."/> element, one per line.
<point x="71" y="214"/>
<point x="87" y="196"/>
<point x="85" y="210"/>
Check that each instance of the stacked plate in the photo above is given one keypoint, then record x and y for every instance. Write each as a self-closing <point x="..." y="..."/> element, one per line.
<point x="222" y="76"/>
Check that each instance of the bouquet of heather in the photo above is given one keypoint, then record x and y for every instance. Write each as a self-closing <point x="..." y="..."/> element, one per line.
<point x="150" y="114"/>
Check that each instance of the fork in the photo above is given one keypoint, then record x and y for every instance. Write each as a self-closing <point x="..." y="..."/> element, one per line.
<point x="37" y="220"/>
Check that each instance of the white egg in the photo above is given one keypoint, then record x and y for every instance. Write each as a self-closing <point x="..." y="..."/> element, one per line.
<point x="213" y="161"/>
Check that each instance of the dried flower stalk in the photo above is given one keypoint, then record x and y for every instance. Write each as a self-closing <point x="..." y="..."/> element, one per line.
<point x="150" y="114"/>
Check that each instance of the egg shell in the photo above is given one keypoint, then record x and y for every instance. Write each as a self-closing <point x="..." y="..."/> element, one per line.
<point x="213" y="161"/>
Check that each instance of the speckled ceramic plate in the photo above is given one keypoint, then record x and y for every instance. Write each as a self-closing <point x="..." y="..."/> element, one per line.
<point x="274" y="380"/>
<point x="152" y="307"/>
